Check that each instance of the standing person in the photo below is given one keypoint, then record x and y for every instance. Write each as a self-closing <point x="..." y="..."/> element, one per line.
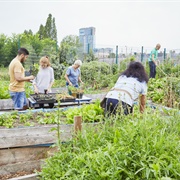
<point x="131" y="84"/>
<point x="73" y="74"/>
<point x="17" y="80"/>
<point x="44" y="79"/>
<point x="153" y="61"/>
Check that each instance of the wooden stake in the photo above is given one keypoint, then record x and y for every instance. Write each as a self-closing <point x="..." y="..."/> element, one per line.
<point x="77" y="123"/>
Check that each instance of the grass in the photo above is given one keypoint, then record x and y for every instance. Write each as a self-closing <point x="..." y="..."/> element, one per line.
<point x="124" y="147"/>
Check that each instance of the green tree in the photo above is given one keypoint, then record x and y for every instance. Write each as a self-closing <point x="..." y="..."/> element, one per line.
<point x="2" y="49"/>
<point x="69" y="49"/>
<point x="112" y="55"/>
<point x="50" y="30"/>
<point x="90" y="57"/>
<point x="54" y="30"/>
<point x="28" y="32"/>
<point x="11" y="48"/>
<point x="41" y="32"/>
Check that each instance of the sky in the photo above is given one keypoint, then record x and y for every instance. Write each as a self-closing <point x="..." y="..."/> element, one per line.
<point x="123" y="23"/>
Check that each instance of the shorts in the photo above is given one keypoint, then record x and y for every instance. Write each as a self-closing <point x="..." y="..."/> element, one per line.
<point x="19" y="99"/>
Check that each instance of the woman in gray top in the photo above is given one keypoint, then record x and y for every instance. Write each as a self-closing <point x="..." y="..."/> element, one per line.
<point x="45" y="77"/>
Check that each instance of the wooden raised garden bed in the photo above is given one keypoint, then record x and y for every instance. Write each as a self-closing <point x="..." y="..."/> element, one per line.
<point x="24" y="149"/>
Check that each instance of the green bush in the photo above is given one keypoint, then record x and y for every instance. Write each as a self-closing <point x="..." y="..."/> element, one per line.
<point x="96" y="72"/>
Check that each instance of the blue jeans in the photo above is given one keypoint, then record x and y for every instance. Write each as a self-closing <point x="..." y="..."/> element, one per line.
<point x="19" y="99"/>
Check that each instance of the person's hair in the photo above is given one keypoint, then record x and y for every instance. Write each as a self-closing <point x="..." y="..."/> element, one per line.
<point x="158" y="46"/>
<point x="45" y="60"/>
<point x="78" y="62"/>
<point x="136" y="70"/>
<point x="23" y="51"/>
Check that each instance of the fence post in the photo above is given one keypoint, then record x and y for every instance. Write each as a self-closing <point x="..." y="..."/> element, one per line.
<point x="142" y="54"/>
<point x="77" y="123"/>
<point x="88" y="48"/>
<point x="164" y="53"/>
<point x="116" y="54"/>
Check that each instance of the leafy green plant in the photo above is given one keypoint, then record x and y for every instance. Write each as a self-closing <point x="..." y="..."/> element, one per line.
<point x="164" y="91"/>
<point x="35" y="69"/>
<point x="89" y="113"/>
<point x="4" y="85"/>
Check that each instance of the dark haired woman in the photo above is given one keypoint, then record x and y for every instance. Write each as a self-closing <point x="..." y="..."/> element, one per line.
<point x="131" y="84"/>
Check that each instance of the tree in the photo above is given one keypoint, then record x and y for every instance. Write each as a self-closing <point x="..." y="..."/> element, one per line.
<point x="41" y="32"/>
<point x="2" y="48"/>
<point x="54" y="31"/>
<point x="69" y="49"/>
<point x="28" y="32"/>
<point x="90" y="57"/>
<point x="112" y="55"/>
<point x="8" y="48"/>
<point x="49" y="30"/>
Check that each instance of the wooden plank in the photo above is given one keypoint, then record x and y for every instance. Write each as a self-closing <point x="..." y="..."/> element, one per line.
<point x="28" y="167"/>
<point x="18" y="137"/>
<point x="15" y="155"/>
<point x="30" y="131"/>
<point x="6" y="104"/>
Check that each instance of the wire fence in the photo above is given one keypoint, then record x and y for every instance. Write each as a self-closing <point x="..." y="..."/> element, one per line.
<point x="139" y="53"/>
<point x="111" y="54"/>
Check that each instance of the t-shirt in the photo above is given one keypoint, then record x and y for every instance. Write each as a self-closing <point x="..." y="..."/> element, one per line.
<point x="43" y="79"/>
<point x="73" y="75"/>
<point x="132" y="86"/>
<point x="16" y="67"/>
<point x="153" y="52"/>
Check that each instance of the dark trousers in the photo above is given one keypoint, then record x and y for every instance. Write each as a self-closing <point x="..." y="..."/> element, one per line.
<point x="114" y="106"/>
<point x="152" y="68"/>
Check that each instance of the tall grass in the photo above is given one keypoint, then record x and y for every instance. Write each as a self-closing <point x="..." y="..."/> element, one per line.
<point x="123" y="148"/>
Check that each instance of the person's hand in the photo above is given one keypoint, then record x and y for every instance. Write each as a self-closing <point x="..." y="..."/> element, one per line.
<point x="70" y="84"/>
<point x="36" y="90"/>
<point x="31" y="77"/>
<point x="48" y="91"/>
<point x="82" y="82"/>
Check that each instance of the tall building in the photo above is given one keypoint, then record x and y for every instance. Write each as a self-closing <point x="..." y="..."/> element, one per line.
<point x="87" y="38"/>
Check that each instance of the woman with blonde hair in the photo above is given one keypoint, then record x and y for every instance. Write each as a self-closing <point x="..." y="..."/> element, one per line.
<point x="45" y="77"/>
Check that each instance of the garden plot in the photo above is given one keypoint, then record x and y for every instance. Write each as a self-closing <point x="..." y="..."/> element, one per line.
<point x="25" y="138"/>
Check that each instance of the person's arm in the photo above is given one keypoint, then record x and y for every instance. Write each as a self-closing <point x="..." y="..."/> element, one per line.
<point x="67" y="79"/>
<point x="36" y="91"/>
<point x="50" y="85"/>
<point x="142" y="103"/>
<point x="51" y="80"/>
<point x="154" y="61"/>
<point x="20" y="78"/>
<point x="79" y="79"/>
